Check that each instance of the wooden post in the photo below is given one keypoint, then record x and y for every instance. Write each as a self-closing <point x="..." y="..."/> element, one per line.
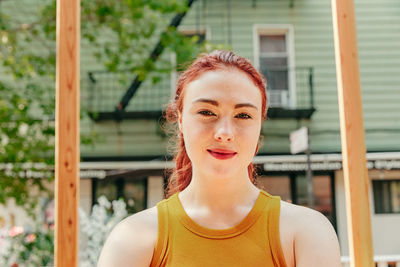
<point x="67" y="154"/>
<point x="352" y="134"/>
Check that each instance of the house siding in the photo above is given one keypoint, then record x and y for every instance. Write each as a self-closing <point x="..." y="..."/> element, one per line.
<point x="378" y="33"/>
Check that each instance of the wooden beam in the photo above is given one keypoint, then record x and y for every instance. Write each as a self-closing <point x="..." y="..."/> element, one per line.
<point x="352" y="134"/>
<point x="67" y="134"/>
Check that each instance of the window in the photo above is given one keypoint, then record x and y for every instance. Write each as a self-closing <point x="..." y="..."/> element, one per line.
<point x="323" y="198"/>
<point x="274" y="58"/>
<point x="293" y="189"/>
<point x="277" y="186"/>
<point x="386" y="196"/>
<point x="132" y="191"/>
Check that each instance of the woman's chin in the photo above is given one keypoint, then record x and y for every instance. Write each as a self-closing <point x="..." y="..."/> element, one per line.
<point x="222" y="172"/>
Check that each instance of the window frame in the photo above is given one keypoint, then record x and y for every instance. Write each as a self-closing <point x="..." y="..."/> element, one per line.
<point x="374" y="200"/>
<point x="281" y="29"/>
<point x="120" y="185"/>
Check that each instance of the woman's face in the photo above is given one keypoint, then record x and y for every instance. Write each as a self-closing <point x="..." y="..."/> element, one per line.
<point x="221" y="122"/>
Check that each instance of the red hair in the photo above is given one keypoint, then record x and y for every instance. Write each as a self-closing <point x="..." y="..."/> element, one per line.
<point x="216" y="60"/>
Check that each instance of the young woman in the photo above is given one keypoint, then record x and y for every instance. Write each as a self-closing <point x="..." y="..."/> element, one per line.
<point x="215" y="215"/>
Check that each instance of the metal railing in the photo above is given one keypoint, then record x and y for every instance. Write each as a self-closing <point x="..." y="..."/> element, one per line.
<point x="103" y="90"/>
<point x="380" y="261"/>
<point x="290" y="88"/>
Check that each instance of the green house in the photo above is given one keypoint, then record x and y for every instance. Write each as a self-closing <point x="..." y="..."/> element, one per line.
<point x="291" y="43"/>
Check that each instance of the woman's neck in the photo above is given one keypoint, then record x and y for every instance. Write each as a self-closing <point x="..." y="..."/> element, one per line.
<point x="218" y="194"/>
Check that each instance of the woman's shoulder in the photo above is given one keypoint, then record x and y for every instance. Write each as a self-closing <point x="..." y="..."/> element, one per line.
<point x="132" y="241"/>
<point x="300" y="218"/>
<point x="304" y="233"/>
<point x="291" y="211"/>
<point x="146" y="219"/>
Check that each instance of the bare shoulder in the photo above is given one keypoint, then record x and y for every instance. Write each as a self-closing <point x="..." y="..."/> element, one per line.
<point x="312" y="238"/>
<point x="132" y="241"/>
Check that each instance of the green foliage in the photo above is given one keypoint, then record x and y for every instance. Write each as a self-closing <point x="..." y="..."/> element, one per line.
<point x="26" y="136"/>
<point x="30" y="248"/>
<point x="121" y="35"/>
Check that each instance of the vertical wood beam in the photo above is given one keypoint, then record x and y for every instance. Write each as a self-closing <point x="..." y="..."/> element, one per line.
<point x="352" y="134"/>
<point x="67" y="155"/>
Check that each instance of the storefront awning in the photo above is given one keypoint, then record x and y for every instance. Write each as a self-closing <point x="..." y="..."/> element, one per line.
<point x="319" y="162"/>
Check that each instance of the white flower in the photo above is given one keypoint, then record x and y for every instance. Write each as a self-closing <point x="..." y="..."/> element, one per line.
<point x="4" y="139"/>
<point x="97" y="227"/>
<point x="23" y="129"/>
<point x="103" y="202"/>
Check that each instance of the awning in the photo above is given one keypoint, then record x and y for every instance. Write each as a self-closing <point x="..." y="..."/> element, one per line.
<point x="319" y="162"/>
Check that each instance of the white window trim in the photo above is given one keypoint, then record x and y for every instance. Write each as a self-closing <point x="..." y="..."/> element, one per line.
<point x="288" y="30"/>
<point x="187" y="30"/>
<point x="192" y="29"/>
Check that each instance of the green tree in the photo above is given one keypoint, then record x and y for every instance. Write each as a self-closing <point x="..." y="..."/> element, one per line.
<point x="121" y="34"/>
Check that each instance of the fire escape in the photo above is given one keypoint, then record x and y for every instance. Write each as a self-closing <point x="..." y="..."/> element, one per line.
<point x="107" y="98"/>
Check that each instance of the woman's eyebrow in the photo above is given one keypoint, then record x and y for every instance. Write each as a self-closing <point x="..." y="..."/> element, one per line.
<point x="241" y="105"/>
<point x="209" y="101"/>
<point x="215" y="103"/>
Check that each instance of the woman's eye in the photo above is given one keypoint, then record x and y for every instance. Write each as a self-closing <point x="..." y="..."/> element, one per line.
<point x="206" y="113"/>
<point x="244" y="116"/>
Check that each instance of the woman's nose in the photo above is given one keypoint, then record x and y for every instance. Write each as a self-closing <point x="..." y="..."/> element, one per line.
<point x="224" y="131"/>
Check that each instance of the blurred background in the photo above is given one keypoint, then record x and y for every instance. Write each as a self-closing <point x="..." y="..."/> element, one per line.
<point x="132" y="52"/>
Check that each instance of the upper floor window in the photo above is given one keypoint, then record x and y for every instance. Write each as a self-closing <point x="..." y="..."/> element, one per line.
<point x="274" y="58"/>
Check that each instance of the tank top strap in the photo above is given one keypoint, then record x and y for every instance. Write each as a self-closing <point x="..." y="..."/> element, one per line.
<point x="273" y="230"/>
<point x="161" y="246"/>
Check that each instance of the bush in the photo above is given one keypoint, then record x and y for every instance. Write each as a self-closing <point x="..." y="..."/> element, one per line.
<point x="33" y="248"/>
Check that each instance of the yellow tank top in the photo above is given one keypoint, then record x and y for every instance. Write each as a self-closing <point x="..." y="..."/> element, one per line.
<point x="181" y="242"/>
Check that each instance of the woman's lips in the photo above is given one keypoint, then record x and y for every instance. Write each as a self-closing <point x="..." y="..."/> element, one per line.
<point x="221" y="155"/>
